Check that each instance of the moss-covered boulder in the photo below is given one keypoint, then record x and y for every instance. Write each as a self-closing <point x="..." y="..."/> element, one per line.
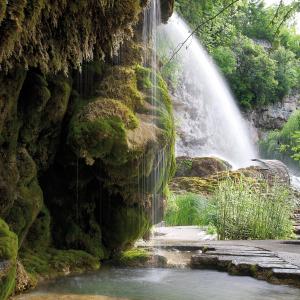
<point x="200" y="166"/>
<point x="8" y="256"/>
<point x="207" y="185"/>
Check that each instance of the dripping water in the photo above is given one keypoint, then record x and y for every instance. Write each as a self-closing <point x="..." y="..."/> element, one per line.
<point x="152" y="20"/>
<point x="209" y="122"/>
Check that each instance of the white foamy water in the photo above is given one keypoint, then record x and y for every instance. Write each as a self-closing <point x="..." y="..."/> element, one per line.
<point x="208" y="120"/>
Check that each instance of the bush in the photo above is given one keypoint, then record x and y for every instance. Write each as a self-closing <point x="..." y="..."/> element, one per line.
<point x="245" y="211"/>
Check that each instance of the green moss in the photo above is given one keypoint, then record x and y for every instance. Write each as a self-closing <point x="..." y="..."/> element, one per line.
<point x="8" y="282"/>
<point x="8" y="242"/>
<point x="26" y="207"/>
<point x="99" y="131"/>
<point x="59" y="35"/>
<point x="207" y="185"/>
<point x="39" y="235"/>
<point x="121" y="83"/>
<point x="8" y="252"/>
<point x="132" y="257"/>
<point x="124" y="225"/>
<point x="89" y="240"/>
<point x="53" y="262"/>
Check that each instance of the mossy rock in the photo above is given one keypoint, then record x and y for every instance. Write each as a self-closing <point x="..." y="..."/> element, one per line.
<point x="29" y="200"/>
<point x="42" y="107"/>
<point x="53" y="262"/>
<point x="26" y="208"/>
<point x="39" y="235"/>
<point x="8" y="256"/>
<point x="207" y="185"/>
<point x="99" y="131"/>
<point x="122" y="226"/>
<point x="200" y="166"/>
<point x="132" y="258"/>
<point x="120" y="83"/>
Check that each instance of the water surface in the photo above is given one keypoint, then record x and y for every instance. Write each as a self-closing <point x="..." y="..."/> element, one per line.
<point x="170" y="284"/>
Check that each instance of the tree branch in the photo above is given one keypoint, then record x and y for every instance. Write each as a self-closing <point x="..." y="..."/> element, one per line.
<point x="180" y="45"/>
<point x="285" y="17"/>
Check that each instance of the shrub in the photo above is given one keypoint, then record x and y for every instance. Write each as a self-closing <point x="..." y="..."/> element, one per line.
<point x="245" y="211"/>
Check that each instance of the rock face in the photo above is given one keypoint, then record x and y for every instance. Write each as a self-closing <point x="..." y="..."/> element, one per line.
<point x="273" y="116"/>
<point x="84" y="156"/>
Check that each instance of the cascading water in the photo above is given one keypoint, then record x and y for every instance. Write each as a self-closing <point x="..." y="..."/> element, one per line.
<point x="208" y="120"/>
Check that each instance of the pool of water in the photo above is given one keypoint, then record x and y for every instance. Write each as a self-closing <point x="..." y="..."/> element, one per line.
<point x="169" y="284"/>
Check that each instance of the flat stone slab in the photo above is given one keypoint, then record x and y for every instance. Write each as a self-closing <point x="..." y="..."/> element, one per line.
<point x="254" y="262"/>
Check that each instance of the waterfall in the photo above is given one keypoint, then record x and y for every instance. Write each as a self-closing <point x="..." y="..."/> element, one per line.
<point x="209" y="122"/>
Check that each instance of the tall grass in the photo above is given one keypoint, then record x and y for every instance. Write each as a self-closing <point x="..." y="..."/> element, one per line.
<point x="247" y="211"/>
<point x="189" y="209"/>
<point x="238" y="209"/>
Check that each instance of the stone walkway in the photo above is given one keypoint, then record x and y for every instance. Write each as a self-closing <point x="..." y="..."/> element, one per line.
<point x="274" y="261"/>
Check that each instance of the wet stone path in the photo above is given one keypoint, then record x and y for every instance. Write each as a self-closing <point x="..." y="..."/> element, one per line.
<point x="190" y="246"/>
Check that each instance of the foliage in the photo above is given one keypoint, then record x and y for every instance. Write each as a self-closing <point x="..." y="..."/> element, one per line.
<point x="245" y="211"/>
<point x="287" y="71"/>
<point x="284" y="144"/>
<point x="254" y="80"/>
<point x="256" y="47"/>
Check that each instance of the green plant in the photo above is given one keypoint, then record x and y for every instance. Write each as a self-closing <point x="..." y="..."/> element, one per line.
<point x="258" y="211"/>
<point x="189" y="209"/>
